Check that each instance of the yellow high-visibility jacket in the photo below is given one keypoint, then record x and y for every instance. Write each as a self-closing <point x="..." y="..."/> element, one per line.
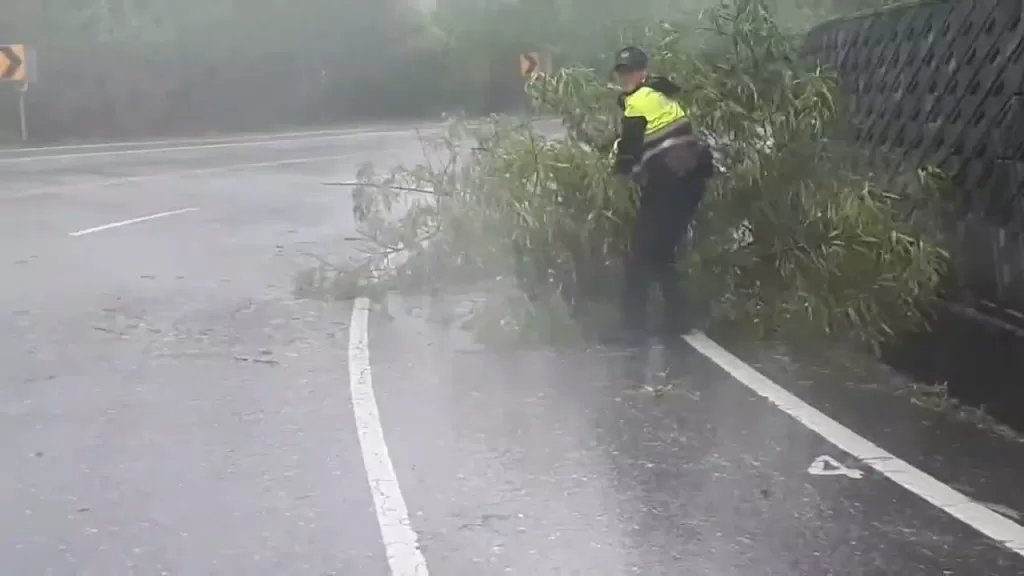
<point x="654" y="125"/>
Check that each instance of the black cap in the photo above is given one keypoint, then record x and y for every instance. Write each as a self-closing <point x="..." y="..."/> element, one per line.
<point x="630" y="59"/>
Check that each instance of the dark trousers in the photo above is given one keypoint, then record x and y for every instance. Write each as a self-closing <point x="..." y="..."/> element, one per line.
<point x="668" y="204"/>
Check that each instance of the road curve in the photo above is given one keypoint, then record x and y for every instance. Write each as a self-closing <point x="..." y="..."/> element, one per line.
<point x="170" y="407"/>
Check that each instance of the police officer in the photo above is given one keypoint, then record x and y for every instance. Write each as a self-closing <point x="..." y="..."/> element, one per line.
<point x="658" y="150"/>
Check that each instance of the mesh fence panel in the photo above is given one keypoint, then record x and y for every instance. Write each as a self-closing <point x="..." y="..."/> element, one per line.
<point x="942" y="83"/>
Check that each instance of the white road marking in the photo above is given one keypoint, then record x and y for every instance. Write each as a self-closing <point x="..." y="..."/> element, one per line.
<point x="228" y="144"/>
<point x="132" y="221"/>
<point x="400" y="541"/>
<point x="129" y="179"/>
<point x="829" y="466"/>
<point x="993" y="525"/>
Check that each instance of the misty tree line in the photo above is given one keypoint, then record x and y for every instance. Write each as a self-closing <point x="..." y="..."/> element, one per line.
<point x="138" y="68"/>
<point x="143" y="67"/>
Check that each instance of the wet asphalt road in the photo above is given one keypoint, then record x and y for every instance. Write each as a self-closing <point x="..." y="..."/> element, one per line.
<point x="169" y="407"/>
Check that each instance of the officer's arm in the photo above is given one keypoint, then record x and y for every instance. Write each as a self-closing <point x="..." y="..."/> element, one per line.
<point x="631" y="143"/>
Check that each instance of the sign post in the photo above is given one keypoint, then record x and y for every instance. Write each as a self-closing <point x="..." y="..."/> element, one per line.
<point x="17" y="64"/>
<point x="22" y="91"/>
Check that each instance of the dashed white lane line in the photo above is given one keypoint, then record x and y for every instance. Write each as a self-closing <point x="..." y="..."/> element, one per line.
<point x="400" y="541"/>
<point x="981" y="518"/>
<point x="132" y="221"/>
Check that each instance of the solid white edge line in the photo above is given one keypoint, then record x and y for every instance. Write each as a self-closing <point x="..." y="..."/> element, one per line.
<point x="232" y="144"/>
<point x="252" y="137"/>
<point x="992" y="524"/>
<point x="400" y="541"/>
<point x="132" y="221"/>
<point x="57" y="188"/>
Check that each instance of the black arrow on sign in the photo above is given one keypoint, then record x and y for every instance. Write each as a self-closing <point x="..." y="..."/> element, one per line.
<point x="13" y="62"/>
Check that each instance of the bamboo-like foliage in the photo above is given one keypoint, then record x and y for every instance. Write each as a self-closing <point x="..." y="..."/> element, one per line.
<point x="797" y="239"/>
